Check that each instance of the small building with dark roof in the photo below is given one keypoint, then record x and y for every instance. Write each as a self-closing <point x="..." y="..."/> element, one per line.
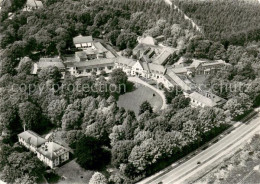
<point x="160" y="38"/>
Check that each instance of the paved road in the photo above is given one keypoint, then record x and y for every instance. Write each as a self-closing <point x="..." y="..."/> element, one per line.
<point x="138" y="80"/>
<point x="217" y="151"/>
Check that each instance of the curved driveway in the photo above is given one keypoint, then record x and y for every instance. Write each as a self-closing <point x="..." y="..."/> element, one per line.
<point x="138" y="80"/>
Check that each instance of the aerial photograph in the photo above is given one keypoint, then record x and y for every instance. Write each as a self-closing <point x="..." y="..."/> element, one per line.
<point x="129" y="91"/>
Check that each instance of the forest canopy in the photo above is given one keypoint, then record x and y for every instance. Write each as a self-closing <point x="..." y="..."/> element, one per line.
<point x="229" y="21"/>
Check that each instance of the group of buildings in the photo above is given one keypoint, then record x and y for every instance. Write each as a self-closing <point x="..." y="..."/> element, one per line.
<point x="49" y="152"/>
<point x="169" y="77"/>
<point x="150" y="63"/>
<point x="91" y="57"/>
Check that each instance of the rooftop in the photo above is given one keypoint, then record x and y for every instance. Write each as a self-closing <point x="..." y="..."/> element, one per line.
<point x="125" y="61"/>
<point x="47" y="62"/>
<point x="100" y="47"/>
<point x="144" y="58"/>
<point x="214" y="63"/>
<point x="82" y="39"/>
<point x="162" y="57"/>
<point x="180" y="70"/>
<point x="145" y="66"/>
<point x="156" y="67"/>
<point x="32" y="138"/>
<point x="34" y="3"/>
<point x="172" y="77"/>
<point x="109" y="55"/>
<point x="147" y="40"/>
<point x="91" y="63"/>
<point x="141" y="47"/>
<point x="51" y="150"/>
<point x="196" y="62"/>
<point x="203" y="99"/>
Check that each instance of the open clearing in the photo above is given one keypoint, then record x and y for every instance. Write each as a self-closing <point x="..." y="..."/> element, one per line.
<point x="133" y="100"/>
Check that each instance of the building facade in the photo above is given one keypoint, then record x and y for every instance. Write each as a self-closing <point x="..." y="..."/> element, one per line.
<point x="50" y="153"/>
<point x="87" y="68"/>
<point x="31" y="140"/>
<point x="141" y="69"/>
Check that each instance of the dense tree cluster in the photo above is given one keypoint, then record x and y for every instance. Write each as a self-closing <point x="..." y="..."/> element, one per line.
<point x="171" y="93"/>
<point x="228" y="21"/>
<point x="98" y="178"/>
<point x="141" y="146"/>
<point x="49" y="31"/>
<point x="137" y="146"/>
<point x="90" y="154"/>
<point x="19" y="166"/>
<point x="239" y="82"/>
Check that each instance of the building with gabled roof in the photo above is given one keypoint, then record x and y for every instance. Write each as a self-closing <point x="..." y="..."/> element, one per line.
<point x="141" y="68"/>
<point x="90" y="49"/>
<point x="148" y="40"/>
<point x="51" y="153"/>
<point x="83" y="41"/>
<point x="198" y="99"/>
<point x="31" y="140"/>
<point x="198" y="66"/>
<point x="33" y="5"/>
<point x="163" y="57"/>
<point x="174" y="79"/>
<point x="86" y="68"/>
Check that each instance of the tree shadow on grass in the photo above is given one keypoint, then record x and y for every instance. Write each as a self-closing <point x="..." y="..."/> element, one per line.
<point x="52" y="177"/>
<point x="130" y="86"/>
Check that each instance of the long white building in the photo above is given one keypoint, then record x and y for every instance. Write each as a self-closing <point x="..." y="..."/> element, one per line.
<point x="50" y="153"/>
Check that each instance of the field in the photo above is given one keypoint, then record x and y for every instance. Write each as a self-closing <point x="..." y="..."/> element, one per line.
<point x="133" y="100"/>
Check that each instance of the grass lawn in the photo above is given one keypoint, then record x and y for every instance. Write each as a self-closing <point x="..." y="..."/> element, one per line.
<point x="73" y="173"/>
<point x="132" y="100"/>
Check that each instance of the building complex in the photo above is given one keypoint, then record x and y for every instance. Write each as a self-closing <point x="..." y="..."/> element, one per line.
<point x="93" y="58"/>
